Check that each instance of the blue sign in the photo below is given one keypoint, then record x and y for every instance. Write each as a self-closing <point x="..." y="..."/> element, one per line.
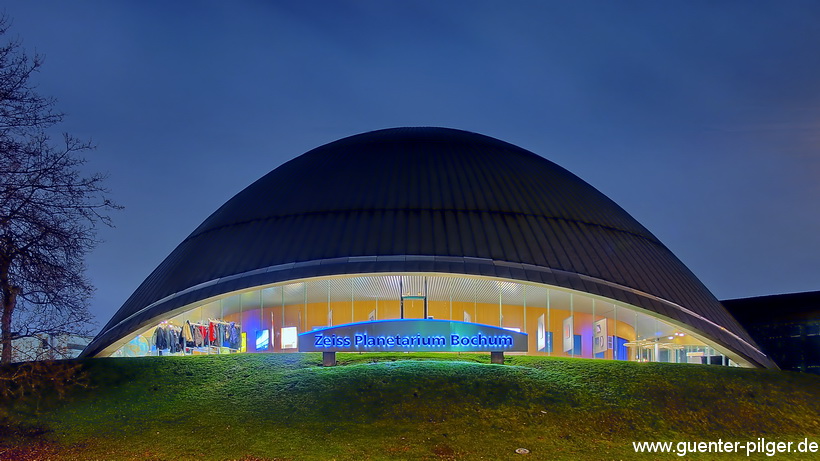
<point x="413" y="335"/>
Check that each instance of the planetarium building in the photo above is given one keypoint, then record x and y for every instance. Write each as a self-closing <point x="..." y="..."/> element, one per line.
<point x="380" y="240"/>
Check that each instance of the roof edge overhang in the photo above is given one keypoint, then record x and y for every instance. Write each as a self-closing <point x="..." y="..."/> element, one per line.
<point x="356" y="265"/>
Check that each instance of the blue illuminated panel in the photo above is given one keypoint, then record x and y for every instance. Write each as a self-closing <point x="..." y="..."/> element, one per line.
<point x="262" y="340"/>
<point x="413" y="335"/>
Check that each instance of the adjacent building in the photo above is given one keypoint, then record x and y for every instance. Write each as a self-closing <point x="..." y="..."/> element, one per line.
<point x="44" y="346"/>
<point x="786" y="326"/>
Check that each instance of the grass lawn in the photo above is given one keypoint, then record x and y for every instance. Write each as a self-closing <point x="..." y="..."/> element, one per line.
<point x="404" y="406"/>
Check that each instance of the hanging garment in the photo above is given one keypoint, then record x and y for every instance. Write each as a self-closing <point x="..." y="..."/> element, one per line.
<point x="182" y="342"/>
<point x="155" y="338"/>
<point x="199" y="341"/>
<point x="233" y="335"/>
<point x="161" y="337"/>
<point x="187" y="333"/>
<point x="223" y="335"/>
<point x="173" y="343"/>
<point x="168" y="337"/>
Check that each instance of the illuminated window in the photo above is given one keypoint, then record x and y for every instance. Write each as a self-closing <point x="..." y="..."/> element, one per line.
<point x="262" y="340"/>
<point x="289" y="338"/>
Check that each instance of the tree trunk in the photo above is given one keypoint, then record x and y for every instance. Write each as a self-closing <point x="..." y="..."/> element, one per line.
<point x="9" y="303"/>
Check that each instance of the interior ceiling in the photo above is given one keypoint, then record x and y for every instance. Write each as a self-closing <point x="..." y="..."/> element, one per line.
<point x="438" y="288"/>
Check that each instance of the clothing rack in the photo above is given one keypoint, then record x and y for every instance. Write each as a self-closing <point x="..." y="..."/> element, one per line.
<point x="214" y="337"/>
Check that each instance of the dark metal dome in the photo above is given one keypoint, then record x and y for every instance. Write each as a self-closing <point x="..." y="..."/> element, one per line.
<point x="427" y="200"/>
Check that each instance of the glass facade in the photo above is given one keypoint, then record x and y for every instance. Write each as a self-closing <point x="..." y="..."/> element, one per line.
<point x="559" y="322"/>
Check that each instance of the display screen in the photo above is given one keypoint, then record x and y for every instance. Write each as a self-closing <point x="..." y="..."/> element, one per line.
<point x="290" y="338"/>
<point x="262" y="340"/>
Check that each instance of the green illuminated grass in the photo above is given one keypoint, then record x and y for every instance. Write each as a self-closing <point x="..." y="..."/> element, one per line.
<point x="404" y="406"/>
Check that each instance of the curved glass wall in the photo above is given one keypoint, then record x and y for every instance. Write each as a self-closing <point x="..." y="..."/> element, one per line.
<point x="560" y="322"/>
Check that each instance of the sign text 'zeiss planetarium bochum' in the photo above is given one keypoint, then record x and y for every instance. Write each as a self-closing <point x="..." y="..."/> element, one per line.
<point x="413" y="336"/>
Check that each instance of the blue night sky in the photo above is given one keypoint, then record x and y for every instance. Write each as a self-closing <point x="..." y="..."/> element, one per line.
<point x="701" y="119"/>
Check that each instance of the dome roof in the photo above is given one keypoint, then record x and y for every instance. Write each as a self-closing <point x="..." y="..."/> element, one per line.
<point x="427" y="200"/>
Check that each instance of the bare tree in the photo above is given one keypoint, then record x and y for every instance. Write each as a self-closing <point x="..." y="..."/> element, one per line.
<point x="49" y="209"/>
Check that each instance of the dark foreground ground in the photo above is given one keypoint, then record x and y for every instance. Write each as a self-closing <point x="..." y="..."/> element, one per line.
<point x="389" y="406"/>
